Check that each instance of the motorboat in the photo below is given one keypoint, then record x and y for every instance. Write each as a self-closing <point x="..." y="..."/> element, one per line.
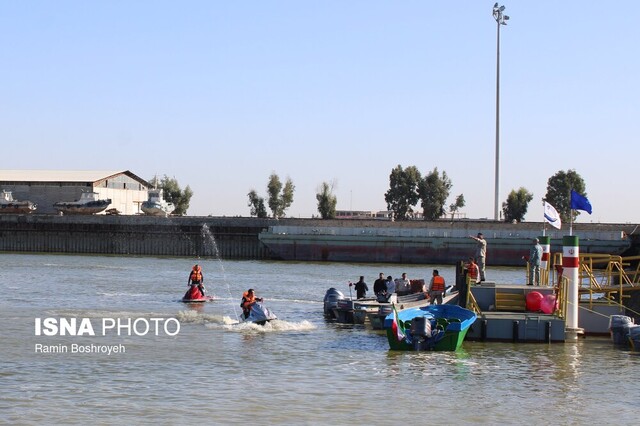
<point x="194" y="295"/>
<point x="156" y="204"/>
<point x="9" y="205"/>
<point x="373" y="309"/>
<point x="386" y="304"/>
<point x="432" y="327"/>
<point x="341" y="309"/>
<point x="259" y="314"/>
<point x="413" y="300"/>
<point x="89" y="203"/>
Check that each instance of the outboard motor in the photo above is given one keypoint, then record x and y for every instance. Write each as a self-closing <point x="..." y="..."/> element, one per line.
<point x="421" y="332"/>
<point x="331" y="298"/>
<point x="634" y="337"/>
<point x="619" y="328"/>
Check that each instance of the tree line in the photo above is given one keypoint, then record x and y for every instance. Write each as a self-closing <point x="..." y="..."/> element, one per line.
<point x="408" y="189"/>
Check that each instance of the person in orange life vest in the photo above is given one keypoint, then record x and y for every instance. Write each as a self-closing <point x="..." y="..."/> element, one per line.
<point x="436" y="288"/>
<point x="196" y="278"/>
<point x="473" y="272"/>
<point x="248" y="299"/>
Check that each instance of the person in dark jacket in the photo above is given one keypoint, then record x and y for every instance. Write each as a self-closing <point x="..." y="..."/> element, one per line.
<point x="380" y="285"/>
<point x="361" y="288"/>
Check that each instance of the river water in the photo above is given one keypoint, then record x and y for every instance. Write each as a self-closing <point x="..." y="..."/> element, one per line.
<point x="300" y="369"/>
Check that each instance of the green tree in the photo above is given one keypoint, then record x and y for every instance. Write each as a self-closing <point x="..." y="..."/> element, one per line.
<point x="173" y="194"/>
<point x="434" y="191"/>
<point x="515" y="208"/>
<point x="459" y="203"/>
<point x="273" y="190"/>
<point x="280" y="199"/>
<point x="559" y="188"/>
<point x="403" y="191"/>
<point x="287" y="197"/>
<point x="257" y="204"/>
<point x="327" y="201"/>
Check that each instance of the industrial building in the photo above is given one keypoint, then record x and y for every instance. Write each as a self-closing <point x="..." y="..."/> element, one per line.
<point x="46" y="187"/>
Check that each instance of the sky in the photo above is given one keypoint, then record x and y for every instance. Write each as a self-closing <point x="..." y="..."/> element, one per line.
<point x="221" y="94"/>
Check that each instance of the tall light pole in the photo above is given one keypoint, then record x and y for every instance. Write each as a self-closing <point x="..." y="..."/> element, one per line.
<point x="501" y="19"/>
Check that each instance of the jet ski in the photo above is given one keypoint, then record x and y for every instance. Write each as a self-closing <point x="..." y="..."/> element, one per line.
<point x="193" y="295"/>
<point x="259" y="314"/>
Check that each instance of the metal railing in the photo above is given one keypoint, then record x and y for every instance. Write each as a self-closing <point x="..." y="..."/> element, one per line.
<point x="561" y="286"/>
<point x="602" y="276"/>
<point x="545" y="274"/>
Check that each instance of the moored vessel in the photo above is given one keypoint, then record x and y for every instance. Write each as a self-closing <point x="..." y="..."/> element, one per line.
<point x="87" y="204"/>
<point x="9" y="205"/>
<point x="433" y="327"/>
<point x="156" y="204"/>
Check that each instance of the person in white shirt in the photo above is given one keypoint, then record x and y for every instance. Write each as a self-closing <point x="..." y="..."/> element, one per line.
<point x="403" y="285"/>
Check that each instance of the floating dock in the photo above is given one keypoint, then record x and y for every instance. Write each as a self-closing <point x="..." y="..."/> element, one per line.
<point x="503" y="315"/>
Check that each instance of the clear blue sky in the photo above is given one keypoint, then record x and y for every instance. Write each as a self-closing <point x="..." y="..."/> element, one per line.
<point x="220" y="94"/>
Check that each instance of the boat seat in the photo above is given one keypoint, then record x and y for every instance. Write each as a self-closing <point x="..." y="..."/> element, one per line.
<point x="506" y="301"/>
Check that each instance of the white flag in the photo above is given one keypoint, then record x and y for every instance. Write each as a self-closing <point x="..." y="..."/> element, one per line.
<point x="552" y="216"/>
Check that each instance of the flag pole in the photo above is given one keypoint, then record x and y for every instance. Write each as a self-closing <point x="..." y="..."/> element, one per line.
<point x="570" y="222"/>
<point x="544" y="220"/>
<point x="571" y="212"/>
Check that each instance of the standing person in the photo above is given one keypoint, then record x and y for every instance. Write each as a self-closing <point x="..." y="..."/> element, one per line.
<point x="403" y="285"/>
<point x="391" y="285"/>
<point x="473" y="272"/>
<point x="361" y="288"/>
<point x="436" y="288"/>
<point x="380" y="285"/>
<point x="535" y="257"/>
<point x="481" y="253"/>
<point x="196" y="278"/>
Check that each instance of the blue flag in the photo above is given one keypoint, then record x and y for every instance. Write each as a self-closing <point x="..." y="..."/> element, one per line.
<point x="579" y="202"/>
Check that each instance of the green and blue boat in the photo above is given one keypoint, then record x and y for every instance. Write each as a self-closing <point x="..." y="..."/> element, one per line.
<point x="432" y="327"/>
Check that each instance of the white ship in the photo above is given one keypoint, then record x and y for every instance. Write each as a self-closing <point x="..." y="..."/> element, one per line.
<point x="156" y="205"/>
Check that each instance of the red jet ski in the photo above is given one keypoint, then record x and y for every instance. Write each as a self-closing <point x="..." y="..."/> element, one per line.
<point x="193" y="295"/>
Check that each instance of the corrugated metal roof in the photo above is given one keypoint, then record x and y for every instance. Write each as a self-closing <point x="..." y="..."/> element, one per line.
<point x="57" y="175"/>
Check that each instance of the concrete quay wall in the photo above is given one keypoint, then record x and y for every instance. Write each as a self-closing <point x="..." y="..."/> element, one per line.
<point x="226" y="237"/>
<point x="229" y="238"/>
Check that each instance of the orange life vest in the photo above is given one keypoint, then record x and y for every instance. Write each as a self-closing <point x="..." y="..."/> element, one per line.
<point x="196" y="275"/>
<point x="438" y="283"/>
<point x="247" y="299"/>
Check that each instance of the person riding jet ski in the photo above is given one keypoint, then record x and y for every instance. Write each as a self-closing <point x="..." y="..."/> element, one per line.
<point x="196" y="278"/>
<point x="248" y="299"/>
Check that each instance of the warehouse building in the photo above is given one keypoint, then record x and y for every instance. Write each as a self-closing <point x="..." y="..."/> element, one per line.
<point x="46" y="187"/>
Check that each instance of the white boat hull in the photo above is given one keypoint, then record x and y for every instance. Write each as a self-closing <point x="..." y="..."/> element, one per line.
<point x="154" y="209"/>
